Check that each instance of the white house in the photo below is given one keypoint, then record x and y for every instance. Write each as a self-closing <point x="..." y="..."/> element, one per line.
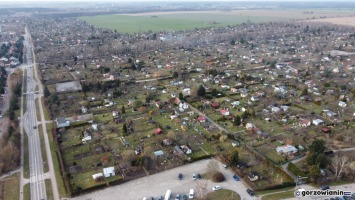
<point x="95" y="127"/>
<point x="183" y="105"/>
<point x="342" y="104"/>
<point x="249" y="126"/>
<point x="173" y="117"/>
<point x="186" y="91"/>
<point x="275" y="109"/>
<point x="109" y="171"/>
<point x="317" y="122"/>
<point x="97" y="176"/>
<point x="87" y="138"/>
<point x="284" y="108"/>
<point x="286" y="149"/>
<point x="235" y="103"/>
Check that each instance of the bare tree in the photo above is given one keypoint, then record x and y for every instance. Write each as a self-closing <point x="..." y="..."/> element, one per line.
<point x="212" y="166"/>
<point x="339" y="164"/>
<point x="201" y="190"/>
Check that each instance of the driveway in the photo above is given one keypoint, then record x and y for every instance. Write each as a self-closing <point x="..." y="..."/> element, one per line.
<point x="157" y="184"/>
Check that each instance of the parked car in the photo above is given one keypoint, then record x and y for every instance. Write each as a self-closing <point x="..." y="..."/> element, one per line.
<point x="184" y="197"/>
<point x="217" y="187"/>
<point x="160" y="198"/>
<point x="236" y="178"/>
<point x="191" y="193"/>
<point x="324" y="187"/>
<point x="225" y="166"/>
<point x="347" y="197"/>
<point x="250" y="192"/>
<point x="180" y="176"/>
<point x="177" y="197"/>
<point x="194" y="176"/>
<point x="353" y="196"/>
<point x="198" y="176"/>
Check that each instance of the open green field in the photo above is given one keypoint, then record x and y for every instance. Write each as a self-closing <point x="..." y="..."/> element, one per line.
<point x="11" y="187"/>
<point x="173" y="21"/>
<point x="223" y="195"/>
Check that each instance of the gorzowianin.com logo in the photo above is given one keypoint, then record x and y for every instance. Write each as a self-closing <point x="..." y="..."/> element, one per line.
<point x="303" y="193"/>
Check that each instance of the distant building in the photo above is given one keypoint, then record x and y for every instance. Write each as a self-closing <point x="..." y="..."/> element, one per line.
<point x="286" y="149"/>
<point x="62" y="122"/>
<point x="109" y="171"/>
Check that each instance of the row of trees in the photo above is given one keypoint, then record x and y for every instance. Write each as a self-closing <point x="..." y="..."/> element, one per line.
<point x="10" y="139"/>
<point x="17" y="52"/>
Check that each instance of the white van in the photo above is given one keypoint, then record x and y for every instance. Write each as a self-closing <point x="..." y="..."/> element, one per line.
<point x="167" y="195"/>
<point x="191" y="194"/>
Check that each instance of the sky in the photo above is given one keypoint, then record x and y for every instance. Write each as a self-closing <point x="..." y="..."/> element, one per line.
<point x="117" y="1"/>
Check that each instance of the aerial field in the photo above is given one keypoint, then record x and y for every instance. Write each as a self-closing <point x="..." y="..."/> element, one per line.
<point x="185" y="20"/>
<point x="348" y="21"/>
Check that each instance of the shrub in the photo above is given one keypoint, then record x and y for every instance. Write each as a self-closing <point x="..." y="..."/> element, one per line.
<point x="217" y="177"/>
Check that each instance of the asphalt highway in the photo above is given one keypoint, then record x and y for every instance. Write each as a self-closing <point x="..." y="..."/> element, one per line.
<point x="37" y="184"/>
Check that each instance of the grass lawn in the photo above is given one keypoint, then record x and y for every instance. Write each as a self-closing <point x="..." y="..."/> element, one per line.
<point x="84" y="180"/>
<point x="281" y="195"/>
<point x="45" y="110"/>
<point x="49" y="190"/>
<point x="172" y="21"/>
<point x="56" y="165"/>
<point x="38" y="113"/>
<point x="265" y="192"/>
<point x="26" y="192"/>
<point x="43" y="149"/>
<point x="26" y="166"/>
<point x="11" y="187"/>
<point x="223" y="195"/>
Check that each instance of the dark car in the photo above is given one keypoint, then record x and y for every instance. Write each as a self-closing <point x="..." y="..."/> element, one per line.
<point x="198" y="176"/>
<point x="236" y="178"/>
<point x="180" y="176"/>
<point x="177" y="197"/>
<point x="346" y="197"/>
<point x="184" y="197"/>
<point x="353" y="196"/>
<point x="160" y="198"/>
<point x="250" y="192"/>
<point x="34" y="127"/>
<point x="324" y="187"/>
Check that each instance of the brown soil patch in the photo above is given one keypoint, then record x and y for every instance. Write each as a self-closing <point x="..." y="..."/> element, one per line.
<point x="348" y="21"/>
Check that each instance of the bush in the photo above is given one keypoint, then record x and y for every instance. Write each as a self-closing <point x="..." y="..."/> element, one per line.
<point x="217" y="177"/>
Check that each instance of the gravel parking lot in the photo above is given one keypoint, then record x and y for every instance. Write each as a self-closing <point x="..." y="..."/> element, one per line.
<point x="157" y="184"/>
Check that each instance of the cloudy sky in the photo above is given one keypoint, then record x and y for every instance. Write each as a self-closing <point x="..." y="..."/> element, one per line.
<point x="158" y="0"/>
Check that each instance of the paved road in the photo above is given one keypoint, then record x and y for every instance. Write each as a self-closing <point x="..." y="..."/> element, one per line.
<point x="37" y="185"/>
<point x="157" y="184"/>
<point x="42" y="120"/>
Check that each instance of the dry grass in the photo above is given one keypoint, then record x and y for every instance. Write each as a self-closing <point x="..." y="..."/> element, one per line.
<point x="348" y="21"/>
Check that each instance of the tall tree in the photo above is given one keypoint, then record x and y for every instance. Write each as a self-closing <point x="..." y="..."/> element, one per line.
<point x="124" y="128"/>
<point x="201" y="91"/>
<point x="46" y="92"/>
<point x="339" y="165"/>
<point x="233" y="158"/>
<point x="123" y="110"/>
<point x="236" y="120"/>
